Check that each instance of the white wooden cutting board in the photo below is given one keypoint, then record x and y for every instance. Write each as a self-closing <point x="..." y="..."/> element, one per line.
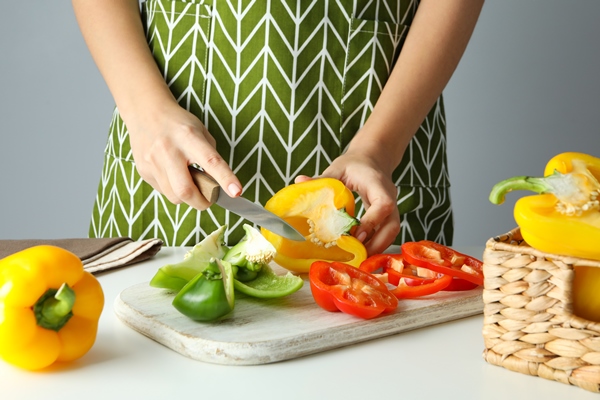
<point x="260" y="331"/>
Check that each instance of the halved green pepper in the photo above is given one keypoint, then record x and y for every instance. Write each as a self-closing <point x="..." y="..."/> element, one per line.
<point x="250" y="255"/>
<point x="176" y="276"/>
<point x="209" y="295"/>
<point x="268" y="285"/>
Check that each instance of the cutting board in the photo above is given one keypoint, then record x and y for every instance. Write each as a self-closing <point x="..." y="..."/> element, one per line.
<point x="261" y="331"/>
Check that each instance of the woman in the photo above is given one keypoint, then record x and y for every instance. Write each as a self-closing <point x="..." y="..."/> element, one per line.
<point x="262" y="93"/>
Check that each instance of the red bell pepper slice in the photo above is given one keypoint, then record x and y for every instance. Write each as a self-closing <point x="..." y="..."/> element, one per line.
<point x="406" y="291"/>
<point x="395" y="267"/>
<point x="460" y="285"/>
<point x="410" y="279"/>
<point x="443" y="259"/>
<point x="408" y="285"/>
<point x="383" y="263"/>
<point x="336" y="286"/>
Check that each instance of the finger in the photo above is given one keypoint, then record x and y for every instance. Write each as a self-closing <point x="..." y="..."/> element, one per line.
<point x="147" y="172"/>
<point x="302" y="178"/>
<point x="166" y="182"/>
<point x="150" y="168"/>
<point x="163" y="186"/>
<point x="383" y="237"/>
<point x="214" y="165"/>
<point x="376" y="214"/>
<point x="184" y="189"/>
<point x="173" y="179"/>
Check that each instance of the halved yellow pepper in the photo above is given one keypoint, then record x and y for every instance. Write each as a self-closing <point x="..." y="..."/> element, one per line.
<point x="564" y="218"/>
<point x="586" y="285"/>
<point x="49" y="307"/>
<point x="322" y="210"/>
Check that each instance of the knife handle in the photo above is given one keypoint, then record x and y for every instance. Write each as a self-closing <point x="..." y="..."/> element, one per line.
<point x="206" y="184"/>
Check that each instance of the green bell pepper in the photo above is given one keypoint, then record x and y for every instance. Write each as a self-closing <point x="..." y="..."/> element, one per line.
<point x="209" y="295"/>
<point x="176" y="276"/>
<point x="268" y="285"/>
<point x="249" y="255"/>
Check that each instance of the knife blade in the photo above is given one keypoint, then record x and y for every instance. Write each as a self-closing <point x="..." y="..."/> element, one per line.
<point x="253" y="212"/>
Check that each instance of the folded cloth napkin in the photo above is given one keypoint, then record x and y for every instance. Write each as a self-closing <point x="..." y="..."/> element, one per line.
<point x="97" y="254"/>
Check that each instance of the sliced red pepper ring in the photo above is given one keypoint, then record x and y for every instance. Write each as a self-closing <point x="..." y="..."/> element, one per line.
<point x="405" y="291"/>
<point x="392" y="264"/>
<point x="459" y="285"/>
<point x="443" y="259"/>
<point x="400" y="274"/>
<point x="341" y="287"/>
<point x="409" y="279"/>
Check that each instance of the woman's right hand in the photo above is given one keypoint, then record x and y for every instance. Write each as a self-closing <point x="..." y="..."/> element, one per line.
<point x="165" y="143"/>
<point x="165" y="138"/>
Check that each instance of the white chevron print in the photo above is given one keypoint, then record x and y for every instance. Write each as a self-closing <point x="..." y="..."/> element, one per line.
<point x="283" y="86"/>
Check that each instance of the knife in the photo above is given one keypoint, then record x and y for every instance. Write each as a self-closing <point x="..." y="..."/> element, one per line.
<point x="253" y="212"/>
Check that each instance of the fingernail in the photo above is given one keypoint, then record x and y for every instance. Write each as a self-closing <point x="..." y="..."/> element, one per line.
<point x="362" y="236"/>
<point x="234" y="190"/>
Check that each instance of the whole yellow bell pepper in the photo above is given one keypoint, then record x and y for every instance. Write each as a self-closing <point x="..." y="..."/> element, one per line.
<point x="322" y="210"/>
<point x="564" y="218"/>
<point x="49" y="307"/>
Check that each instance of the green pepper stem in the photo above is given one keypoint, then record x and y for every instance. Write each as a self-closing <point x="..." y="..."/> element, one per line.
<point x="537" y="185"/>
<point x="54" y="308"/>
<point x="350" y="221"/>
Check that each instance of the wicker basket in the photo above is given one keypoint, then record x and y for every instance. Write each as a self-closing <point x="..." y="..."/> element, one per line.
<point x="529" y="326"/>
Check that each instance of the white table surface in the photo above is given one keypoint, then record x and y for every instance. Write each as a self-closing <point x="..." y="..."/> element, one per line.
<point x="437" y="362"/>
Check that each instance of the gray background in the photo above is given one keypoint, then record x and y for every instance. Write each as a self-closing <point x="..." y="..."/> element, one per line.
<point x="526" y="89"/>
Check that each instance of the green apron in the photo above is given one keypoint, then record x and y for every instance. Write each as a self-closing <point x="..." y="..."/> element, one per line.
<point x="282" y="85"/>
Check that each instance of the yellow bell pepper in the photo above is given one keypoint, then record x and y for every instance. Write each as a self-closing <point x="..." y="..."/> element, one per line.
<point x="564" y="218"/>
<point x="322" y="210"/>
<point x="49" y="307"/>
<point x="586" y="285"/>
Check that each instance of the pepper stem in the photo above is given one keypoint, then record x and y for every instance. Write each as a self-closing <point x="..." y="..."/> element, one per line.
<point x="338" y="223"/>
<point x="537" y="185"/>
<point x="54" y="308"/>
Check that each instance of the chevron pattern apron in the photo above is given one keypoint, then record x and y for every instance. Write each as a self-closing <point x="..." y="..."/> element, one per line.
<point x="282" y="85"/>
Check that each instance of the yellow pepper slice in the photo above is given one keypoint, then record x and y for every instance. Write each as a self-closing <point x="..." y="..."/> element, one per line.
<point x="323" y="211"/>
<point x="49" y="307"/>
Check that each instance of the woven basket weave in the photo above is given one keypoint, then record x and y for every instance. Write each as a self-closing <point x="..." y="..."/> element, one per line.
<point x="529" y="326"/>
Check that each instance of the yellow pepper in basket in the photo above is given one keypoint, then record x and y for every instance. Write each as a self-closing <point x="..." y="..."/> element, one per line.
<point x="564" y="218"/>
<point x="586" y="285"/>
<point x="49" y="307"/>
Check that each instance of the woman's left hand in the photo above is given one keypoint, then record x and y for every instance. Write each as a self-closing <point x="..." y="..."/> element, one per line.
<point x="380" y="224"/>
<point x="434" y="45"/>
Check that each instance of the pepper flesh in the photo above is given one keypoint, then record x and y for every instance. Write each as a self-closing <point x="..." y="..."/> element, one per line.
<point x="175" y="276"/>
<point x="250" y="254"/>
<point x="586" y="285"/>
<point x="443" y="259"/>
<point x="408" y="284"/>
<point x="48" y="284"/>
<point x="209" y="295"/>
<point x="248" y="260"/>
<point x="268" y="285"/>
<point x="323" y="211"/>
<point x="586" y="293"/>
<point x="337" y="286"/>
<point x="564" y="219"/>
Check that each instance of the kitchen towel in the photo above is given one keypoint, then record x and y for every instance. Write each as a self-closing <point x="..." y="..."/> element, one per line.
<point x="97" y="254"/>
